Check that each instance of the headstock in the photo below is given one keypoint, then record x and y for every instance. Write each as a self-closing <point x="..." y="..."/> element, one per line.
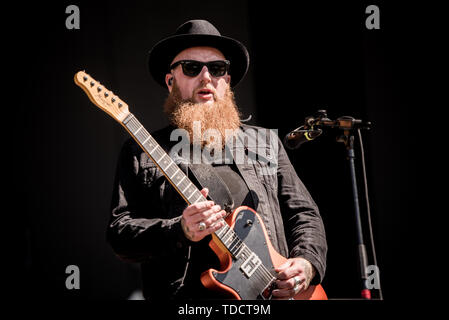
<point x="102" y="97"/>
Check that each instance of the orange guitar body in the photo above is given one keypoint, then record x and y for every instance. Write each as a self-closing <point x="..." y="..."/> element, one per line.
<point x="216" y="279"/>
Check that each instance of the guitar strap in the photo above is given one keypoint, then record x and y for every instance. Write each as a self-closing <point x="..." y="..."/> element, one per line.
<point x="218" y="190"/>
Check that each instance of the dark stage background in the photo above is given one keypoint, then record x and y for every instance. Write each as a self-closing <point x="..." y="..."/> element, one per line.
<point x="303" y="58"/>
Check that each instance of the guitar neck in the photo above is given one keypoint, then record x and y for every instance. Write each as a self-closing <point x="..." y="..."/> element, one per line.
<point x="177" y="177"/>
<point x="169" y="168"/>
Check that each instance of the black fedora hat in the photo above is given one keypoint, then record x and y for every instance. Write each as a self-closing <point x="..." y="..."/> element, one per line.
<point x="196" y="33"/>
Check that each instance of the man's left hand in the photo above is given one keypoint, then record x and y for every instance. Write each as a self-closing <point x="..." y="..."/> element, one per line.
<point x="294" y="276"/>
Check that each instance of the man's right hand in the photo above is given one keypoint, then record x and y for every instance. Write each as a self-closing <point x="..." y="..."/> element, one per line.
<point x="202" y="212"/>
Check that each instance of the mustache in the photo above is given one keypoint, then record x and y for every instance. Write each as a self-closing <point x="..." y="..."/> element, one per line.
<point x="205" y="89"/>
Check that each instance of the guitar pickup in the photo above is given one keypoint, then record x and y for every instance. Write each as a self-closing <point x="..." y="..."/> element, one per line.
<point x="250" y="265"/>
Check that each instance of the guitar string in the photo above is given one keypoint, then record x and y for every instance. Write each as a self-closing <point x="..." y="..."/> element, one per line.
<point x="261" y="269"/>
<point x="133" y="125"/>
<point x="157" y="153"/>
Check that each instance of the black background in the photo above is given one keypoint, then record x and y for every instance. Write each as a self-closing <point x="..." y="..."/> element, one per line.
<point x="305" y="57"/>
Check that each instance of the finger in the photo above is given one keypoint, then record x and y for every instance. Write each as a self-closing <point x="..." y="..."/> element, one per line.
<point x="197" y="207"/>
<point x="205" y="192"/>
<point x="216" y="226"/>
<point x="286" y="284"/>
<point x="199" y="235"/>
<point x="212" y="225"/>
<point x="202" y="216"/>
<point x="288" y="293"/>
<point x="283" y="266"/>
<point x="287" y="273"/>
<point x="214" y="218"/>
<point x="284" y="293"/>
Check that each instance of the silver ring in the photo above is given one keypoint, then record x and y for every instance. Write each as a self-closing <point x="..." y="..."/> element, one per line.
<point x="296" y="289"/>
<point x="201" y="226"/>
<point x="297" y="281"/>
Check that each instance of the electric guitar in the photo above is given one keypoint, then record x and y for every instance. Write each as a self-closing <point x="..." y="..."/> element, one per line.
<point x="247" y="257"/>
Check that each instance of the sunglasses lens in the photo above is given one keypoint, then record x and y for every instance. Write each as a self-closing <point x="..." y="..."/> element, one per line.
<point x="217" y="68"/>
<point x="191" y="68"/>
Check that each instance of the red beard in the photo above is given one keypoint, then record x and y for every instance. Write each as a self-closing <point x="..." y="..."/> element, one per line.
<point x="221" y="117"/>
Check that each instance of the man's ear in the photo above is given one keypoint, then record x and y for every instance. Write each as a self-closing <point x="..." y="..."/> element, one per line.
<point x="228" y="78"/>
<point x="169" y="81"/>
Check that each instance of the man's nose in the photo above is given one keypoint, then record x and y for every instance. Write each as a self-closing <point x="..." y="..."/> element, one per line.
<point x="205" y="75"/>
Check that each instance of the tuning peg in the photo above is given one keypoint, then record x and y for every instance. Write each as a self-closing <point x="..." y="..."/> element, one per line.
<point x="106" y="94"/>
<point x="120" y="104"/>
<point x="99" y="88"/>
<point x="113" y="99"/>
<point x="85" y="78"/>
<point x="92" y="83"/>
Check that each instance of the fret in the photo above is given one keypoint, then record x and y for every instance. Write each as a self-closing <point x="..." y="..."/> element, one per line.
<point x="182" y="178"/>
<point x="171" y="170"/>
<point x="200" y="196"/>
<point x="164" y="164"/>
<point x="230" y="239"/>
<point x="177" y="170"/>
<point x="140" y="128"/>
<point x="222" y="230"/>
<point x="240" y="250"/>
<point x="133" y="124"/>
<point x="162" y="155"/>
<point x="227" y="236"/>
<point x="149" y="145"/>
<point x="184" y="184"/>
<point x="171" y="162"/>
<point x="141" y="134"/>
<point x="235" y="244"/>
<point x="189" y="190"/>
<point x="188" y="185"/>
<point x="151" y="152"/>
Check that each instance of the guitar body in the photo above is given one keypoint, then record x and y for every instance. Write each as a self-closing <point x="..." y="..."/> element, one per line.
<point x="231" y="280"/>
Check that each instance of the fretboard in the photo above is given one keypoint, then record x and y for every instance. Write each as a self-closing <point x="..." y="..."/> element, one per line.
<point x="177" y="178"/>
<point x="169" y="168"/>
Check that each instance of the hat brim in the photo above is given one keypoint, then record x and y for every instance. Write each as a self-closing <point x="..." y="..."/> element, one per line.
<point x="163" y="53"/>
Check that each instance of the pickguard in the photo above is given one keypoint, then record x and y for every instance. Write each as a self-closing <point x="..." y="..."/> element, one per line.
<point x="249" y="229"/>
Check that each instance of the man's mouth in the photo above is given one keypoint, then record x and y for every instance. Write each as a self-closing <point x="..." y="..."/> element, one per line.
<point x="205" y="94"/>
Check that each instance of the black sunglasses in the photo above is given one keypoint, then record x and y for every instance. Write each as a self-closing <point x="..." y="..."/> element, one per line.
<point x="192" y="68"/>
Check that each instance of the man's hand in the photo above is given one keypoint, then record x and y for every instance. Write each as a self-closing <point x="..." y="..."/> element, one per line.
<point x="201" y="215"/>
<point x="294" y="276"/>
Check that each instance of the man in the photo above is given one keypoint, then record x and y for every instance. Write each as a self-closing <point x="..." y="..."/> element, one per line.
<point x="153" y="225"/>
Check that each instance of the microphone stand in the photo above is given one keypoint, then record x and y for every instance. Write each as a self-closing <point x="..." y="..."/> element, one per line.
<point x="348" y="124"/>
<point x="348" y="140"/>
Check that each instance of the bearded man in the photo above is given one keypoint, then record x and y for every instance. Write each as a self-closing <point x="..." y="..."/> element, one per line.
<point x="151" y="223"/>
